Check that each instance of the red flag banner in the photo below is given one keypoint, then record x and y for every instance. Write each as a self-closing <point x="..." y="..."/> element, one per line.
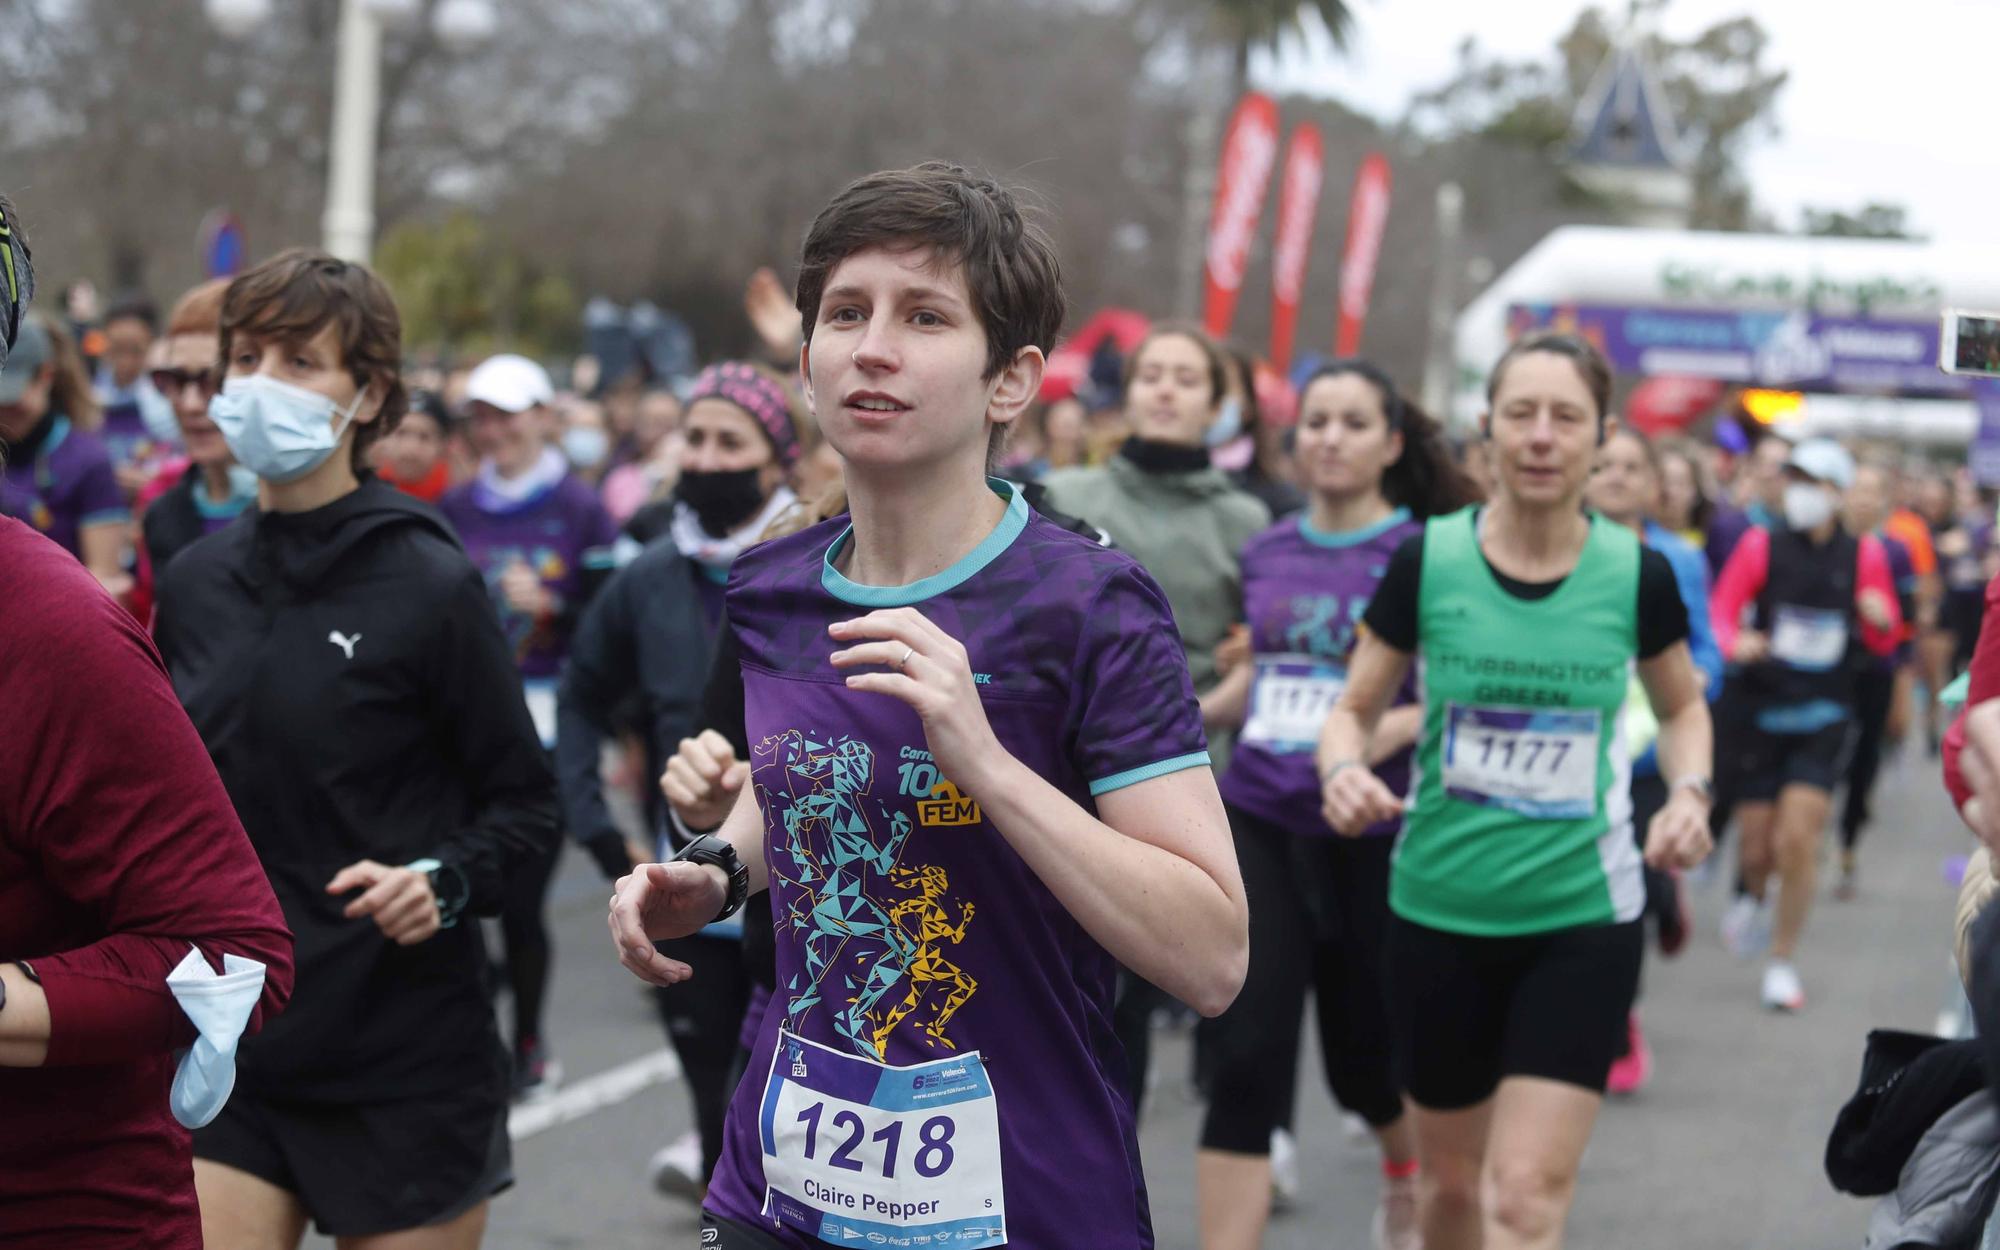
<point x="1298" y="206"/>
<point x="1367" y="217"/>
<point x="1249" y="150"/>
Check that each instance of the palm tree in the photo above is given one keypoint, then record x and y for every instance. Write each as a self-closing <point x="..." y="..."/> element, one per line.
<point x="1250" y="24"/>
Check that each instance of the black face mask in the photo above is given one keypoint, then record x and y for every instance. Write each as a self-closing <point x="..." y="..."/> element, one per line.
<point x="722" y="500"/>
<point x="1157" y="457"/>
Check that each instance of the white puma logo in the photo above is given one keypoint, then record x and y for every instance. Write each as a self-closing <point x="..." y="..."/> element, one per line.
<point x="345" y="643"/>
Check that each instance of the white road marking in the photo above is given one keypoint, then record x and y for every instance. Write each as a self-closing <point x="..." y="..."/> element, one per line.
<point x="594" y="1093"/>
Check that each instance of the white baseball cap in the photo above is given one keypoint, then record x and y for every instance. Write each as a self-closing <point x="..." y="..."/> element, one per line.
<point x="1823" y="460"/>
<point x="510" y="383"/>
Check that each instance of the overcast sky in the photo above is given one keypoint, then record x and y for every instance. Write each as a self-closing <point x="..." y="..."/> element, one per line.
<point x="1890" y="102"/>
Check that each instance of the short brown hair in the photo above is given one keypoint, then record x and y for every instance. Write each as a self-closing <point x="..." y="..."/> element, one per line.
<point x="966" y="218"/>
<point x="299" y="292"/>
<point x="200" y="310"/>
<point x="1590" y="365"/>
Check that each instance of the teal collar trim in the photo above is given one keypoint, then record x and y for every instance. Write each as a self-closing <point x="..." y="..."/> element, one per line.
<point x="1350" y="538"/>
<point x="1012" y="522"/>
<point x="210" y="509"/>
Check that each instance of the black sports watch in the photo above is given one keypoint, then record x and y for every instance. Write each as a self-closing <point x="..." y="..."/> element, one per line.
<point x="709" y="849"/>
<point x="448" y="886"/>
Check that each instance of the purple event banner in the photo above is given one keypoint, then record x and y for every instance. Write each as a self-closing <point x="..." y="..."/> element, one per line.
<point x="1789" y="350"/>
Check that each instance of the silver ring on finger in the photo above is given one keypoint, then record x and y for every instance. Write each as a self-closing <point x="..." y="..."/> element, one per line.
<point x="905" y="659"/>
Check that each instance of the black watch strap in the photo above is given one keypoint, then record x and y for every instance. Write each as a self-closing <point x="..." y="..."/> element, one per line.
<point x="709" y="849"/>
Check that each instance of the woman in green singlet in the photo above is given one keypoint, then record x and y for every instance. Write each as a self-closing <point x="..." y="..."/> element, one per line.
<point x="1517" y="888"/>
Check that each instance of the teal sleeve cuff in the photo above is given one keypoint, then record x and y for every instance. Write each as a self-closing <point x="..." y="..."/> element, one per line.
<point x="1146" y="772"/>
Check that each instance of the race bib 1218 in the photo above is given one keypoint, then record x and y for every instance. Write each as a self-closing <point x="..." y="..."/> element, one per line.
<point x="862" y="1153"/>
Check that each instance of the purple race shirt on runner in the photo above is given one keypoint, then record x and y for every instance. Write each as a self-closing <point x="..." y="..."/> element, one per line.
<point x="937" y="1065"/>
<point x="66" y="486"/>
<point x="1304" y="593"/>
<point x="554" y="533"/>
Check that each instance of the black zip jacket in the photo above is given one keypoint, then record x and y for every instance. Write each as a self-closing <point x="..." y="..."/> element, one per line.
<point x="643" y="637"/>
<point x="349" y="676"/>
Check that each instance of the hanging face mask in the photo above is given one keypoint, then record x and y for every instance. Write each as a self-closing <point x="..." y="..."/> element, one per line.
<point x="1227" y="425"/>
<point x="219" y="1007"/>
<point x="1807" y="505"/>
<point x="276" y="430"/>
<point x="586" y="446"/>
<point x="722" y="500"/>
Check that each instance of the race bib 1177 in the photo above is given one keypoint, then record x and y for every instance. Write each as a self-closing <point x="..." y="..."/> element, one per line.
<point x="1539" y="762"/>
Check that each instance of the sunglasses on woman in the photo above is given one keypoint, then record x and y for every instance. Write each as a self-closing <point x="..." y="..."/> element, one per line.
<point x="171" y="382"/>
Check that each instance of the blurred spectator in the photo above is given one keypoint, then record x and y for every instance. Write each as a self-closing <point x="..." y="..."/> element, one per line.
<point x="656" y="467"/>
<point x="1249" y="446"/>
<point x="138" y="429"/>
<point x="59" y="476"/>
<point x="584" y="440"/>
<point x="411" y="457"/>
<point x="195" y="496"/>
<point x="1693" y="507"/>
<point x="1760" y="488"/>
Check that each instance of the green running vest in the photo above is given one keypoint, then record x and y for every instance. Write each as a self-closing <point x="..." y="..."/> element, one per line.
<point x="1521" y="812"/>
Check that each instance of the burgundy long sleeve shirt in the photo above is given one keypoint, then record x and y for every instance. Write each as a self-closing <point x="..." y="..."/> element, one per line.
<point x="118" y="850"/>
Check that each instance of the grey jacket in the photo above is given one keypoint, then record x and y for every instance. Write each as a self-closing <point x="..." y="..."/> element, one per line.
<point x="1948" y="1184"/>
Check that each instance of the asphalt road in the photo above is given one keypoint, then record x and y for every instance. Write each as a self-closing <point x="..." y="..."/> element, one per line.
<point x="1723" y="1149"/>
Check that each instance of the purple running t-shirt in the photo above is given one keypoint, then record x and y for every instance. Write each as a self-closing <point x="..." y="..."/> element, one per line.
<point x="1304" y="592"/>
<point x="66" y="485"/>
<point x="937" y="1065"/>
<point x="557" y="532"/>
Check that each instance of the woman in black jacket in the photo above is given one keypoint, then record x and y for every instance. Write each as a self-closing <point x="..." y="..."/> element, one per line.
<point x="343" y="662"/>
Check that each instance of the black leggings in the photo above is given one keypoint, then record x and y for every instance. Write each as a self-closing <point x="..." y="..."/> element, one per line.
<point x="1319" y="914"/>
<point x="702" y="1017"/>
<point x="524" y="930"/>
<point x="1874" y="693"/>
<point x="1132" y="1023"/>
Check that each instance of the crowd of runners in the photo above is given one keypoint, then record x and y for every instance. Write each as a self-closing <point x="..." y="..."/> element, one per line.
<point x="937" y="736"/>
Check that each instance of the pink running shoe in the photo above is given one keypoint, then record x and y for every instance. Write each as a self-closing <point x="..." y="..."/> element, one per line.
<point x="1630" y="1073"/>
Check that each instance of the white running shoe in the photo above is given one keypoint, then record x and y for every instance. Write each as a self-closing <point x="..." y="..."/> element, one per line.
<point x="1396" y="1223"/>
<point x="1284" y="1170"/>
<point x="1746" y="927"/>
<point x="1782" y="991"/>
<point x="1356" y="1131"/>
<point x="676" y="1168"/>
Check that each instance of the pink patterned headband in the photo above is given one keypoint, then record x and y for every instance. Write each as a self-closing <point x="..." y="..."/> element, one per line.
<point x="754" y="392"/>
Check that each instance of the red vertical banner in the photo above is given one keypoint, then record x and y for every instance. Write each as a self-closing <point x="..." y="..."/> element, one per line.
<point x="1249" y="151"/>
<point x="1298" y="206"/>
<point x="1367" y="217"/>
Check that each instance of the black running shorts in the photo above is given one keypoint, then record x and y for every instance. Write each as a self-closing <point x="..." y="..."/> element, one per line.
<point x="1472" y="1011"/>
<point x="720" y="1234"/>
<point x="371" y="1168"/>
<point x="1754" y="764"/>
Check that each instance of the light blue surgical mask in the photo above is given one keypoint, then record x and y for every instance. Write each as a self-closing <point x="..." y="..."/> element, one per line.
<point x="158" y="415"/>
<point x="586" y="446"/>
<point x="219" y="1007"/>
<point x="242" y="483"/>
<point x="276" y="430"/>
<point x="1228" y="423"/>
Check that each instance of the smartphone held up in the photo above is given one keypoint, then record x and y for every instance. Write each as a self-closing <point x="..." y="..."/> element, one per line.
<point x="1969" y="343"/>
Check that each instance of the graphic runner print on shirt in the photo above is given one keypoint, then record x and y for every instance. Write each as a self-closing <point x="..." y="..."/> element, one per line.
<point x="874" y="931"/>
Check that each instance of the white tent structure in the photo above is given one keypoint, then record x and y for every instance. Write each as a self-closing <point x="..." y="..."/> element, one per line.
<point x="1852" y="322"/>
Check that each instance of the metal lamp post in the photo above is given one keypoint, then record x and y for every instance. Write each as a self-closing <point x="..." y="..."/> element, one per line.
<point x="348" y="227"/>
